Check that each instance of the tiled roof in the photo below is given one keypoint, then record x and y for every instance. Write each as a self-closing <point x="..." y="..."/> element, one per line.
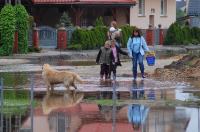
<point x="131" y="2"/>
<point x="194" y="8"/>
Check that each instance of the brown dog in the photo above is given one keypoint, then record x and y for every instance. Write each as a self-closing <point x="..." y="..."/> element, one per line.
<point x="52" y="76"/>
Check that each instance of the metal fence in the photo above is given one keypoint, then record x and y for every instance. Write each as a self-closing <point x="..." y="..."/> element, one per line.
<point x="48" y="36"/>
<point x="12" y="122"/>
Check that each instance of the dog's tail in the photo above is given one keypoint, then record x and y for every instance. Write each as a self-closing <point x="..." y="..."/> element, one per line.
<point x="78" y="79"/>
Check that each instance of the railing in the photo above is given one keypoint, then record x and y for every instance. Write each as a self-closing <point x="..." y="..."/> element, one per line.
<point x="12" y="122"/>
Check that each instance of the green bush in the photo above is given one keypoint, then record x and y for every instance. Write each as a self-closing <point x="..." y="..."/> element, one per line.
<point x="89" y="39"/>
<point x="187" y="35"/>
<point x="22" y="25"/>
<point x="7" y="29"/>
<point x="196" y="33"/>
<point x="65" y="19"/>
<point x="32" y="49"/>
<point x="99" y="22"/>
<point x="96" y="37"/>
<point x="174" y="35"/>
<point x="126" y="33"/>
<point x="182" y="35"/>
<point x="75" y="47"/>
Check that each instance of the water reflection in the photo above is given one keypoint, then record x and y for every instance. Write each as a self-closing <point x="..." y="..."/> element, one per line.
<point x="54" y="101"/>
<point x="137" y="89"/>
<point x="137" y="115"/>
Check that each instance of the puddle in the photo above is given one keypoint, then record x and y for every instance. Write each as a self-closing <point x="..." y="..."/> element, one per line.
<point x="94" y="107"/>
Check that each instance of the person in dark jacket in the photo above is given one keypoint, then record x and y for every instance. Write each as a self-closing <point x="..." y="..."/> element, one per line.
<point x="115" y="51"/>
<point x="105" y="58"/>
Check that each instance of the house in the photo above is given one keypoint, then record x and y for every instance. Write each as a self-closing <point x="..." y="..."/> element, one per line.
<point x="193" y="11"/>
<point x="181" y="5"/>
<point x="140" y="13"/>
<point x="153" y="12"/>
<point x="82" y="12"/>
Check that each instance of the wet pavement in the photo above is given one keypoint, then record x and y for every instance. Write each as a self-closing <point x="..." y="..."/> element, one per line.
<point x="150" y="105"/>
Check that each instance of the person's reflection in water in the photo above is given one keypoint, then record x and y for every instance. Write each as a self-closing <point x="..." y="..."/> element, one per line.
<point x="137" y="89"/>
<point x="137" y="115"/>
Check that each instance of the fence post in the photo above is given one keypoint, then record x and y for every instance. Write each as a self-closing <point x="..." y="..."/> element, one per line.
<point x="1" y="92"/>
<point x="32" y="103"/>
<point x="161" y="35"/>
<point x="35" y="36"/>
<point x="114" y="109"/>
<point x="149" y="35"/>
<point x="62" y="37"/>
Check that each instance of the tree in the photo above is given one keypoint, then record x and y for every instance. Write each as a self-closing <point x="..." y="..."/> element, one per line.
<point x="22" y="25"/>
<point x="65" y="19"/>
<point x="7" y="29"/>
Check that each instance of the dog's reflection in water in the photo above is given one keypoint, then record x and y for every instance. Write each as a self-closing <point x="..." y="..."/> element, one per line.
<point x="54" y="101"/>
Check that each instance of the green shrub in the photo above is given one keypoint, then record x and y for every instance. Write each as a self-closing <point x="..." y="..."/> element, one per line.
<point x="196" y="33"/>
<point x="75" y="47"/>
<point x="32" y="49"/>
<point x="30" y="21"/>
<point x="96" y="37"/>
<point x="7" y="29"/>
<point x="90" y="39"/>
<point x="99" y="22"/>
<point x="65" y="19"/>
<point x="174" y="35"/>
<point x="182" y="35"/>
<point x="126" y="33"/>
<point x="194" y="41"/>
<point x="187" y="35"/>
<point x="22" y="25"/>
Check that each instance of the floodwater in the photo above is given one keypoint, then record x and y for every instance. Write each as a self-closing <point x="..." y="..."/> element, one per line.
<point x="149" y="105"/>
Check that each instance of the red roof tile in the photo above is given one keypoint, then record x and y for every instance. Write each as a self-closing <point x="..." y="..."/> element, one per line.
<point x="131" y="2"/>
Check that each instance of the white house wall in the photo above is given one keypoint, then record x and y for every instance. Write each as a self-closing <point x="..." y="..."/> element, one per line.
<point x="143" y="21"/>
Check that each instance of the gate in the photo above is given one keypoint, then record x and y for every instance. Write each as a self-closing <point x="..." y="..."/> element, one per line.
<point x="47" y="37"/>
<point x="156" y="37"/>
<point x="70" y="31"/>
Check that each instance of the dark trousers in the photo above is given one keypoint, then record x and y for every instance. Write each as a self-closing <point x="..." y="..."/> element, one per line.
<point x="137" y="58"/>
<point x="104" y="70"/>
<point x="113" y="68"/>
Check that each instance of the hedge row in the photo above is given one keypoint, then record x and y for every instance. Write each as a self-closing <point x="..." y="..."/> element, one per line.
<point x="89" y="39"/>
<point x="12" y="19"/>
<point x="96" y="37"/>
<point x="7" y="29"/>
<point x="178" y="35"/>
<point x="22" y="26"/>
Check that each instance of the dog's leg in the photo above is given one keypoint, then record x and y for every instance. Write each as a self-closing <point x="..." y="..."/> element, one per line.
<point x="66" y="83"/>
<point x="52" y="88"/>
<point x="74" y="85"/>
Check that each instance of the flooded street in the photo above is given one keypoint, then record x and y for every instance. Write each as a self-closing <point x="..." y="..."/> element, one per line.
<point x="149" y="105"/>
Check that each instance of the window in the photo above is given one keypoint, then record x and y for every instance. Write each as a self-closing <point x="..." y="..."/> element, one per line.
<point x="141" y="7"/>
<point x="163" y="7"/>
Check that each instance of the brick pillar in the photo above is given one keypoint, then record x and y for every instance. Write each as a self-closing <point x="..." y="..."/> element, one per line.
<point x="35" y="37"/>
<point x="15" y="46"/>
<point x="149" y="36"/>
<point x="62" y="37"/>
<point x="161" y="37"/>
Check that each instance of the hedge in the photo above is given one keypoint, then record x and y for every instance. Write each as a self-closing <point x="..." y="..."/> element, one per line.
<point x="89" y="39"/>
<point x="177" y="35"/>
<point x="7" y="29"/>
<point x="22" y="25"/>
<point x="126" y="33"/>
<point x="96" y="37"/>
